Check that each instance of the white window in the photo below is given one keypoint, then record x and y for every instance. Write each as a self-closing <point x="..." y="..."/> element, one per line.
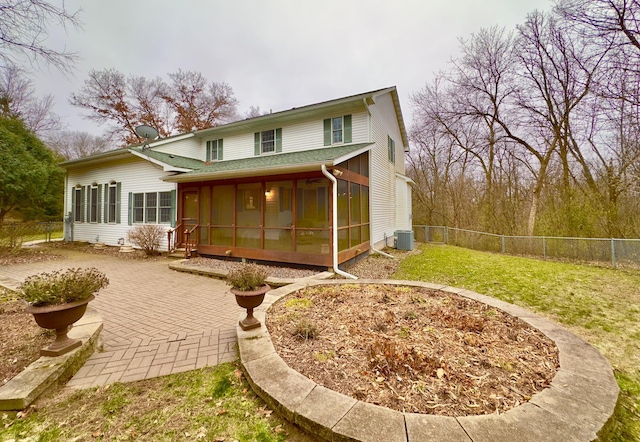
<point x="392" y="150"/>
<point x="111" y="203"/>
<point x="336" y="130"/>
<point x="78" y="204"/>
<point x="268" y="141"/>
<point x="214" y="150"/>
<point x="151" y="207"/>
<point x="165" y="207"/>
<point x="94" y="204"/>
<point x="138" y="207"/>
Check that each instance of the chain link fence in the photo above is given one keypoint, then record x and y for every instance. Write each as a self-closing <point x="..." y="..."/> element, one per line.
<point x="14" y="234"/>
<point x="613" y="251"/>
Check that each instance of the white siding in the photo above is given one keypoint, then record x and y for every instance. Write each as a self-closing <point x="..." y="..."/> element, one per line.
<point x="403" y="204"/>
<point x="136" y="175"/>
<point x="296" y="137"/>
<point x="384" y="219"/>
<point x="190" y="148"/>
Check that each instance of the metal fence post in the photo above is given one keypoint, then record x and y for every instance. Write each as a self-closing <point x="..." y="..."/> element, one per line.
<point x="446" y="235"/>
<point x="502" y="243"/>
<point x="544" y="248"/>
<point x="613" y="253"/>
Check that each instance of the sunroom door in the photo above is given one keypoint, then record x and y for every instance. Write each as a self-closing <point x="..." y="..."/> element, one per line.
<point x="190" y="213"/>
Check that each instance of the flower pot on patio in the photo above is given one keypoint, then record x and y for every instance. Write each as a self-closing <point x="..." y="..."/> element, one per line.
<point x="247" y="284"/>
<point x="60" y="318"/>
<point x="250" y="300"/>
<point x="58" y="299"/>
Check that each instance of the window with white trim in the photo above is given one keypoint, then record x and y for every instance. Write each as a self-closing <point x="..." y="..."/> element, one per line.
<point x="164" y="208"/>
<point x="138" y="207"/>
<point x="336" y="130"/>
<point x="94" y="204"/>
<point x="78" y="204"/>
<point x="214" y="150"/>
<point x="392" y="150"/>
<point x="111" y="203"/>
<point x="268" y="141"/>
<point x="151" y="208"/>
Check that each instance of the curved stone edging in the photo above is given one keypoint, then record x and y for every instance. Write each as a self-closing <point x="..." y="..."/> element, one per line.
<point x="576" y="406"/>
<point x="25" y="387"/>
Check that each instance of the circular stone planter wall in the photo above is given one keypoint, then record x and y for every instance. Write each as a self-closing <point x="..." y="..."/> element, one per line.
<point x="576" y="407"/>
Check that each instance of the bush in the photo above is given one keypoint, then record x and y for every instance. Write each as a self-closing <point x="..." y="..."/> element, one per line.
<point x="247" y="277"/>
<point x="60" y="287"/>
<point x="147" y="237"/>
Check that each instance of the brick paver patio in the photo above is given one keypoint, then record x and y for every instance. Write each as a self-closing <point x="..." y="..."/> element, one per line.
<point x="156" y="321"/>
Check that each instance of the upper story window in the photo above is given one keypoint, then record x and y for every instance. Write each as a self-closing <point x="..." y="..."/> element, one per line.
<point x="268" y="141"/>
<point x="337" y="130"/>
<point x="392" y="150"/>
<point x="214" y="150"/>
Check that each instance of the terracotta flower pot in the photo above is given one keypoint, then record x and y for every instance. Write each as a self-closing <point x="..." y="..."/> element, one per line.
<point x="59" y="318"/>
<point x="250" y="300"/>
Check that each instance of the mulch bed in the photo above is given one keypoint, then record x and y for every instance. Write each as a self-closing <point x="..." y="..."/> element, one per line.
<point x="20" y="339"/>
<point x="412" y="349"/>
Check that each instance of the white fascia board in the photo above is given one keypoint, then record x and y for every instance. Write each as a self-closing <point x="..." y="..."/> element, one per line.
<point x="165" y="167"/>
<point x="350" y="155"/>
<point x="405" y="178"/>
<point x="276" y="170"/>
<point x="171" y="139"/>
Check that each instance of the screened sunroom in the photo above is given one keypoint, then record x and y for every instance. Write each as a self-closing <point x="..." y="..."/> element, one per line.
<point x="282" y="212"/>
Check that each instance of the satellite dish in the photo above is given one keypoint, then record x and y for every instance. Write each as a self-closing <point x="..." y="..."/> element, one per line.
<point x="146" y="132"/>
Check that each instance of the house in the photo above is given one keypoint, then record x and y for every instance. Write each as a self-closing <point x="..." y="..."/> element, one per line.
<point x="320" y="185"/>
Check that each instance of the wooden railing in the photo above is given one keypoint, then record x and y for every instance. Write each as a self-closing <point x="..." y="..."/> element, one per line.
<point x="190" y="241"/>
<point x="172" y="238"/>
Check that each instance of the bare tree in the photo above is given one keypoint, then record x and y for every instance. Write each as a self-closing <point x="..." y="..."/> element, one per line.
<point x="24" y="28"/>
<point x="71" y="145"/>
<point x="106" y="96"/>
<point x="604" y="19"/>
<point x="18" y="100"/>
<point x="189" y="103"/>
<point x="197" y="103"/>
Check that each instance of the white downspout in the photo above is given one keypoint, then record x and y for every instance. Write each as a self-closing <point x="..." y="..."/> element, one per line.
<point x="334" y="210"/>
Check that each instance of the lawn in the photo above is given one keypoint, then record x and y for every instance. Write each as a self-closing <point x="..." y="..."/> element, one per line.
<point x="601" y="305"/>
<point x="210" y="404"/>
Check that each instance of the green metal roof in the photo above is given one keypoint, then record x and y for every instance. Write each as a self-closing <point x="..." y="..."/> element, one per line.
<point x="265" y="164"/>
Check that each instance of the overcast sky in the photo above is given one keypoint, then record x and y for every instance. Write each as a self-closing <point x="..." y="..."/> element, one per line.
<point x="275" y="54"/>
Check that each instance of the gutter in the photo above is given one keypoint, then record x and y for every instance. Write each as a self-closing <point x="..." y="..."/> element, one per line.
<point x="334" y="258"/>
